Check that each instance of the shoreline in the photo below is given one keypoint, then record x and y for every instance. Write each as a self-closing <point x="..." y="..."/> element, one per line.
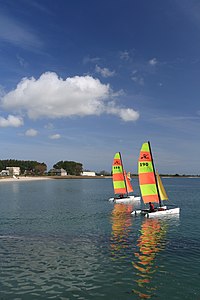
<point x="22" y="178"/>
<point x="34" y="178"/>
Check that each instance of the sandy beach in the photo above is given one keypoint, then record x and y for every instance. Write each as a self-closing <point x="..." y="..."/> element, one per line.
<point x="31" y="178"/>
<point x="23" y="178"/>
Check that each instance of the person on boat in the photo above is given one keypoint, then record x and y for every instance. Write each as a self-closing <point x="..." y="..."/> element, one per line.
<point x="121" y="196"/>
<point x="151" y="207"/>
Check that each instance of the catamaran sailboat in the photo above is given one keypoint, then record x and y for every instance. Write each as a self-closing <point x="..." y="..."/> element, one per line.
<point x="151" y="187"/>
<point x="121" y="182"/>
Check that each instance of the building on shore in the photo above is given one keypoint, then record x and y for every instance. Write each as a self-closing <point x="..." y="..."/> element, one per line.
<point x="13" y="171"/>
<point x="88" y="173"/>
<point x="4" y="173"/>
<point x="58" y="172"/>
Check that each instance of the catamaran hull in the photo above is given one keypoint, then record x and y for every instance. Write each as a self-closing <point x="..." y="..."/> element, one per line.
<point x="125" y="200"/>
<point x="159" y="213"/>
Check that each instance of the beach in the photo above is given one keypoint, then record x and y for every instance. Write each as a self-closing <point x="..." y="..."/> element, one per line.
<point x="31" y="178"/>
<point x="23" y="178"/>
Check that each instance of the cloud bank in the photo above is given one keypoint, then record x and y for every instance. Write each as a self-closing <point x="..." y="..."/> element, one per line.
<point x="52" y="97"/>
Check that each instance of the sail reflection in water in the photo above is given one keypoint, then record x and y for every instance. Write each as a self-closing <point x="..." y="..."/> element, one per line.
<point x="151" y="241"/>
<point x="121" y="226"/>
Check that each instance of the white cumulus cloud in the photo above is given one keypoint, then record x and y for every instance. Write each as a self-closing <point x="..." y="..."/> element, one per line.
<point x="11" y="121"/>
<point x="55" y="136"/>
<point x="126" y="114"/>
<point x="52" y="97"/>
<point x="31" y="132"/>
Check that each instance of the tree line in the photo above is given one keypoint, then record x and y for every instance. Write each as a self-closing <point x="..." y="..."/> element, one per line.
<point x="29" y="167"/>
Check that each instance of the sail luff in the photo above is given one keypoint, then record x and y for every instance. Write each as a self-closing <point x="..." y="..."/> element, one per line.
<point x="155" y="174"/>
<point x="124" y="174"/>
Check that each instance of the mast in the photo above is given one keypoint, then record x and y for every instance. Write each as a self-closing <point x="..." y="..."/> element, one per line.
<point x="123" y="173"/>
<point x="160" y="203"/>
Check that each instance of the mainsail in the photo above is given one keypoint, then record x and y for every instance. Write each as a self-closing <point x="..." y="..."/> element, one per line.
<point x="147" y="178"/>
<point x="121" y="183"/>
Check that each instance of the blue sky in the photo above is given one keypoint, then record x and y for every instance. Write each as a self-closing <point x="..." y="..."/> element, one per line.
<point x="81" y="80"/>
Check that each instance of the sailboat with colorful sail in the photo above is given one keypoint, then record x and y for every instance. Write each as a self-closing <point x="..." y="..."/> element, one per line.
<point x="151" y="187"/>
<point x="121" y="182"/>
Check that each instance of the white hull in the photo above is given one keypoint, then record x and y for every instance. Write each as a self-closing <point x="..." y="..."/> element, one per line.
<point x="158" y="213"/>
<point x="125" y="200"/>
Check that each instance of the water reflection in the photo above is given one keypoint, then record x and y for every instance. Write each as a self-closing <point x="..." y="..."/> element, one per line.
<point x="121" y="220"/>
<point x="140" y="252"/>
<point x="151" y="241"/>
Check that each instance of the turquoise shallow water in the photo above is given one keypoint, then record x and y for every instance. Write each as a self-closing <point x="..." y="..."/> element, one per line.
<point x="63" y="239"/>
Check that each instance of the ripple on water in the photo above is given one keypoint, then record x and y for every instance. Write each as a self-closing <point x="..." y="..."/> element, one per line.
<point x="51" y="266"/>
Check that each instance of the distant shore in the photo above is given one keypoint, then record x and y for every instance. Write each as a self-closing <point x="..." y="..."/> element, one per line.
<point x="78" y="177"/>
<point x="32" y="178"/>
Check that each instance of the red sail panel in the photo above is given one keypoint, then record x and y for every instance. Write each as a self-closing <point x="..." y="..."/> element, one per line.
<point x="150" y="198"/>
<point x="145" y="156"/>
<point x="118" y="177"/>
<point x="147" y="178"/>
<point x="120" y="191"/>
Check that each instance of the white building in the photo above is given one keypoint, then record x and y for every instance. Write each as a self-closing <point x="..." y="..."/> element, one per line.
<point x="88" y="173"/>
<point x="58" y="172"/>
<point x="4" y="173"/>
<point x="13" y="170"/>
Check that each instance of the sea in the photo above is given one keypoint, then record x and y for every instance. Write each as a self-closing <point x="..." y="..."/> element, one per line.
<point x="63" y="239"/>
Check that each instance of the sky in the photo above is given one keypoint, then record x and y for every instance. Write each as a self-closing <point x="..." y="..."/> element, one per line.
<point x="82" y="80"/>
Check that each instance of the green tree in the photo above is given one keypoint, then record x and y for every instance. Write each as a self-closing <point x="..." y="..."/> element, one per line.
<point x="72" y="167"/>
<point x="40" y="169"/>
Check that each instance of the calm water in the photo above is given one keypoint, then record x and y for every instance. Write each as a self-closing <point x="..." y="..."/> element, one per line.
<point x="63" y="239"/>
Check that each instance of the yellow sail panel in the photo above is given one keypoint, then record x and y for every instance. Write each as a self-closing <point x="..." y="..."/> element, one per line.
<point x="162" y="192"/>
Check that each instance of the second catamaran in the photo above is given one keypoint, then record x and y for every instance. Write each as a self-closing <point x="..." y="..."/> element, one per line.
<point x="121" y="182"/>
